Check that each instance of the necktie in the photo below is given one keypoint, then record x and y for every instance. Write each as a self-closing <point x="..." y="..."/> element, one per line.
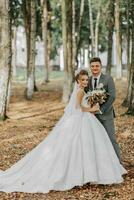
<point x="95" y="83"/>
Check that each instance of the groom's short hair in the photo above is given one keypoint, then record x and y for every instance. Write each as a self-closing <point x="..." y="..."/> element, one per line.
<point x="95" y="59"/>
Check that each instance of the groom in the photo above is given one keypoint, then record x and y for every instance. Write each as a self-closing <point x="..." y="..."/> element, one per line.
<point x="107" y="112"/>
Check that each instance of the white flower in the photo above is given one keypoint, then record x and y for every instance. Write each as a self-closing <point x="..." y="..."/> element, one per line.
<point x="100" y="86"/>
<point x="97" y="91"/>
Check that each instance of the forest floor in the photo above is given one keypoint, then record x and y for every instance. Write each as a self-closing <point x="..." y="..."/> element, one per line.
<point x="29" y="123"/>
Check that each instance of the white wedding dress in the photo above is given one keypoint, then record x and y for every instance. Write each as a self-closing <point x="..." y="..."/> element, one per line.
<point x="78" y="150"/>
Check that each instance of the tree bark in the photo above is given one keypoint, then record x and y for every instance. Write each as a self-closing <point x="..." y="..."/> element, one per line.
<point x="67" y="48"/>
<point x="73" y="36"/>
<point x="82" y="4"/>
<point x="91" y="29"/>
<point x="65" y="96"/>
<point x="128" y="37"/>
<point x="14" y="51"/>
<point x="131" y="91"/>
<point x="131" y="86"/>
<point x="80" y="20"/>
<point x="5" y="53"/>
<point x="97" y="32"/>
<point x="45" y="38"/>
<point x="118" y="42"/>
<point x="49" y="35"/>
<point x="69" y="42"/>
<point x="110" y="35"/>
<point x="31" y="51"/>
<point x="29" y="13"/>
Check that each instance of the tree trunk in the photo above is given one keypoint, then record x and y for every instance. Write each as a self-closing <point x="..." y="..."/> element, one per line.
<point x="65" y="96"/>
<point x="5" y="53"/>
<point x="45" y="38"/>
<point x="80" y="20"/>
<point x="31" y="52"/>
<point x="73" y="36"/>
<point x="91" y="29"/>
<point x="67" y="48"/>
<point x="118" y="42"/>
<point x="110" y="36"/>
<point x="79" y="31"/>
<point x="69" y="42"/>
<point x="86" y="60"/>
<point x="128" y="38"/>
<point x="127" y="99"/>
<point x="97" y="32"/>
<point x="8" y="94"/>
<point x="49" y="35"/>
<point x="29" y="13"/>
<point x="131" y="93"/>
<point x="14" y="51"/>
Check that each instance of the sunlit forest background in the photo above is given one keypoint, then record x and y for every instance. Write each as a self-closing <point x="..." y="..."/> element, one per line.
<point x="42" y="43"/>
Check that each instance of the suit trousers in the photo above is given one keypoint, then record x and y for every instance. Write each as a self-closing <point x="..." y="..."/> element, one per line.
<point x="110" y="129"/>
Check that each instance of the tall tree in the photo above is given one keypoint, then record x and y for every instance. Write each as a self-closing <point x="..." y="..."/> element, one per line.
<point x="129" y="66"/>
<point x="95" y="13"/>
<point x="110" y="35"/>
<point x="29" y="12"/>
<point x="80" y="21"/>
<point x="16" y="20"/>
<point x="67" y="48"/>
<point x="44" y="4"/>
<point x="118" y="40"/>
<point x="73" y="35"/>
<point x="96" y="39"/>
<point x="77" y="40"/>
<point x="128" y="35"/>
<point x="91" y="28"/>
<point x="64" y="38"/>
<point x="14" y="50"/>
<point x="131" y="100"/>
<point x="5" y="53"/>
<point x="49" y="27"/>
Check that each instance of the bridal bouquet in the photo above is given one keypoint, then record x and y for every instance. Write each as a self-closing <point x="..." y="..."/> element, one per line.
<point x="99" y="95"/>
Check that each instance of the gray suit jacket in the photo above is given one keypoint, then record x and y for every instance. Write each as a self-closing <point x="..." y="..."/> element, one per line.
<point x="107" y="107"/>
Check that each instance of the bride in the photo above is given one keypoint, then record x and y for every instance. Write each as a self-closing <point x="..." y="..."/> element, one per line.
<point x="77" y="151"/>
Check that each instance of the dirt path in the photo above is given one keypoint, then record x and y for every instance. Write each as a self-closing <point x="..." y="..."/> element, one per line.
<point x="30" y="121"/>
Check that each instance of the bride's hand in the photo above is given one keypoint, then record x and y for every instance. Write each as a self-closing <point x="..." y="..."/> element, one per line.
<point x="95" y="108"/>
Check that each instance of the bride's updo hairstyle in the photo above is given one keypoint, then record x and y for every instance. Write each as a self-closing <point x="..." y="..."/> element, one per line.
<point x="80" y="73"/>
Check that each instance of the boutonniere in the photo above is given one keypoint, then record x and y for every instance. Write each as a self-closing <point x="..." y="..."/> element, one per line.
<point x="100" y="86"/>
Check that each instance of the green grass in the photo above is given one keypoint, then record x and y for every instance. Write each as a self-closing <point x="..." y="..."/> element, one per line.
<point x="39" y="74"/>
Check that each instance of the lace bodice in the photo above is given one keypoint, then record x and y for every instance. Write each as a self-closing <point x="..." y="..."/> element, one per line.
<point x="84" y="101"/>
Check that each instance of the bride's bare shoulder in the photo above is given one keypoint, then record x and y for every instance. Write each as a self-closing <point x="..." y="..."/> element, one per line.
<point x="80" y="92"/>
